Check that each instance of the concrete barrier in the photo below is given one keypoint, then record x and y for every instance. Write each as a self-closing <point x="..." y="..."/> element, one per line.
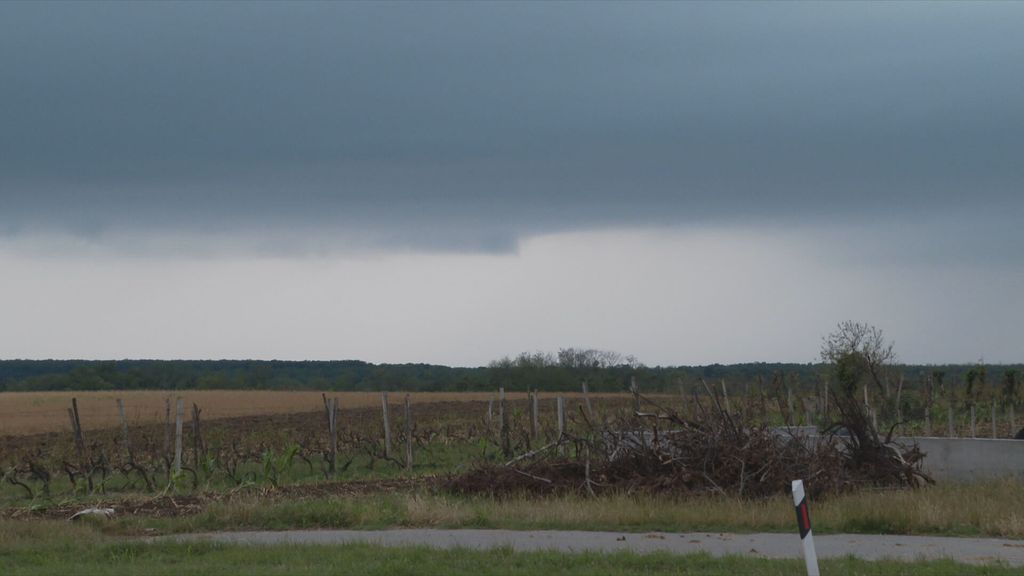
<point x="953" y="459"/>
<point x="967" y="459"/>
<point x="946" y="459"/>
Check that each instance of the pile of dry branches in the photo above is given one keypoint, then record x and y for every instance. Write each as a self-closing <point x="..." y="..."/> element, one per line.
<point x="716" y="451"/>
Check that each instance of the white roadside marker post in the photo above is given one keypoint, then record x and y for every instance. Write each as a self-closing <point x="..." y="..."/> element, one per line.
<point x="803" y="520"/>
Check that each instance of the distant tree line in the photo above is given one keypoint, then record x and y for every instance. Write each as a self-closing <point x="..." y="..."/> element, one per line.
<point x="561" y="371"/>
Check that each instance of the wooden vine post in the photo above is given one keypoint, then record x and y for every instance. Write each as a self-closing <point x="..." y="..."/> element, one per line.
<point x="197" y="438"/>
<point x="76" y="428"/>
<point x="506" y="433"/>
<point x="386" y="411"/>
<point x="408" y="434"/>
<point x="560" y="407"/>
<point x="167" y="427"/>
<point x="332" y="431"/>
<point x="327" y="409"/>
<point x="178" y="421"/>
<point x="534" y="415"/>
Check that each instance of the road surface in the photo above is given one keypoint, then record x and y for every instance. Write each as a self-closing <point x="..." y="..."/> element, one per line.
<point x="868" y="547"/>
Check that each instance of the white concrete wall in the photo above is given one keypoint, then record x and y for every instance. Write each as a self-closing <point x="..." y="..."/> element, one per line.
<point x="957" y="459"/>
<point x="951" y="459"/>
<point x="967" y="459"/>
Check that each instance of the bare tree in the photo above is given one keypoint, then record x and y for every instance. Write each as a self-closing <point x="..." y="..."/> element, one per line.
<point x="591" y="358"/>
<point x="857" y="352"/>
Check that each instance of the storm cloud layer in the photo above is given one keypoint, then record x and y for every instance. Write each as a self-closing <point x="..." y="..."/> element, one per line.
<point x="454" y="182"/>
<point x="469" y="126"/>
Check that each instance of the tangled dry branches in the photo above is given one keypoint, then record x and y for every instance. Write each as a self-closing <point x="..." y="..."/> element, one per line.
<point x="716" y="451"/>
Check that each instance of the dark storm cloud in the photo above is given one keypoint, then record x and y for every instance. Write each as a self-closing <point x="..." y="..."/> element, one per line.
<point x="464" y="126"/>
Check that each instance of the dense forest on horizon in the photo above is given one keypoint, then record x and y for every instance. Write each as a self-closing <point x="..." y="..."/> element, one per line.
<point x="355" y="375"/>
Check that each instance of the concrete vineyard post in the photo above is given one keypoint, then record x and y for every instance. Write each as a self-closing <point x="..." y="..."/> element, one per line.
<point x="586" y="402"/>
<point x="490" y="412"/>
<point x="408" y="435"/>
<point x="178" y="420"/>
<point x="725" y="397"/>
<point x="995" y="433"/>
<point x="927" y="420"/>
<point x="803" y="521"/>
<point x="635" y="390"/>
<point x="386" y="412"/>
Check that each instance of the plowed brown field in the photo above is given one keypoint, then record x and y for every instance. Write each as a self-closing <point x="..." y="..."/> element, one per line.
<point x="36" y="412"/>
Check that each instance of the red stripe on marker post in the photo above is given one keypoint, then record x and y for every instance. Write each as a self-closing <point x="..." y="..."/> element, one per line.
<point x="803" y="521"/>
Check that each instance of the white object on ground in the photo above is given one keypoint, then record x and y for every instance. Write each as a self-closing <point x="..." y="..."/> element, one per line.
<point x="103" y="512"/>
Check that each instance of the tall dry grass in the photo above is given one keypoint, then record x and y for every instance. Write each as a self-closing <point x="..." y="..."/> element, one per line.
<point x="987" y="509"/>
<point x="990" y="508"/>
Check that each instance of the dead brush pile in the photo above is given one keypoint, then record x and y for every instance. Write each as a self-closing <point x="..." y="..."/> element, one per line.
<point x="716" y="452"/>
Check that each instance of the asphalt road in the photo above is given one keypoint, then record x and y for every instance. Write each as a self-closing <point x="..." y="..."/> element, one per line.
<point x="869" y="547"/>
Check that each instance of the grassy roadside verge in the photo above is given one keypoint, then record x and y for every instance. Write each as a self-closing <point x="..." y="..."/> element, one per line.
<point x="993" y="509"/>
<point x="39" y="549"/>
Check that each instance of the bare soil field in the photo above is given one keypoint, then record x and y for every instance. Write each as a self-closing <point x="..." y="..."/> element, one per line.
<point x="39" y="412"/>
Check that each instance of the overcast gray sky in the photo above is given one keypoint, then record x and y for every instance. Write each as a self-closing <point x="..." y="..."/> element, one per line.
<point x="686" y="182"/>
